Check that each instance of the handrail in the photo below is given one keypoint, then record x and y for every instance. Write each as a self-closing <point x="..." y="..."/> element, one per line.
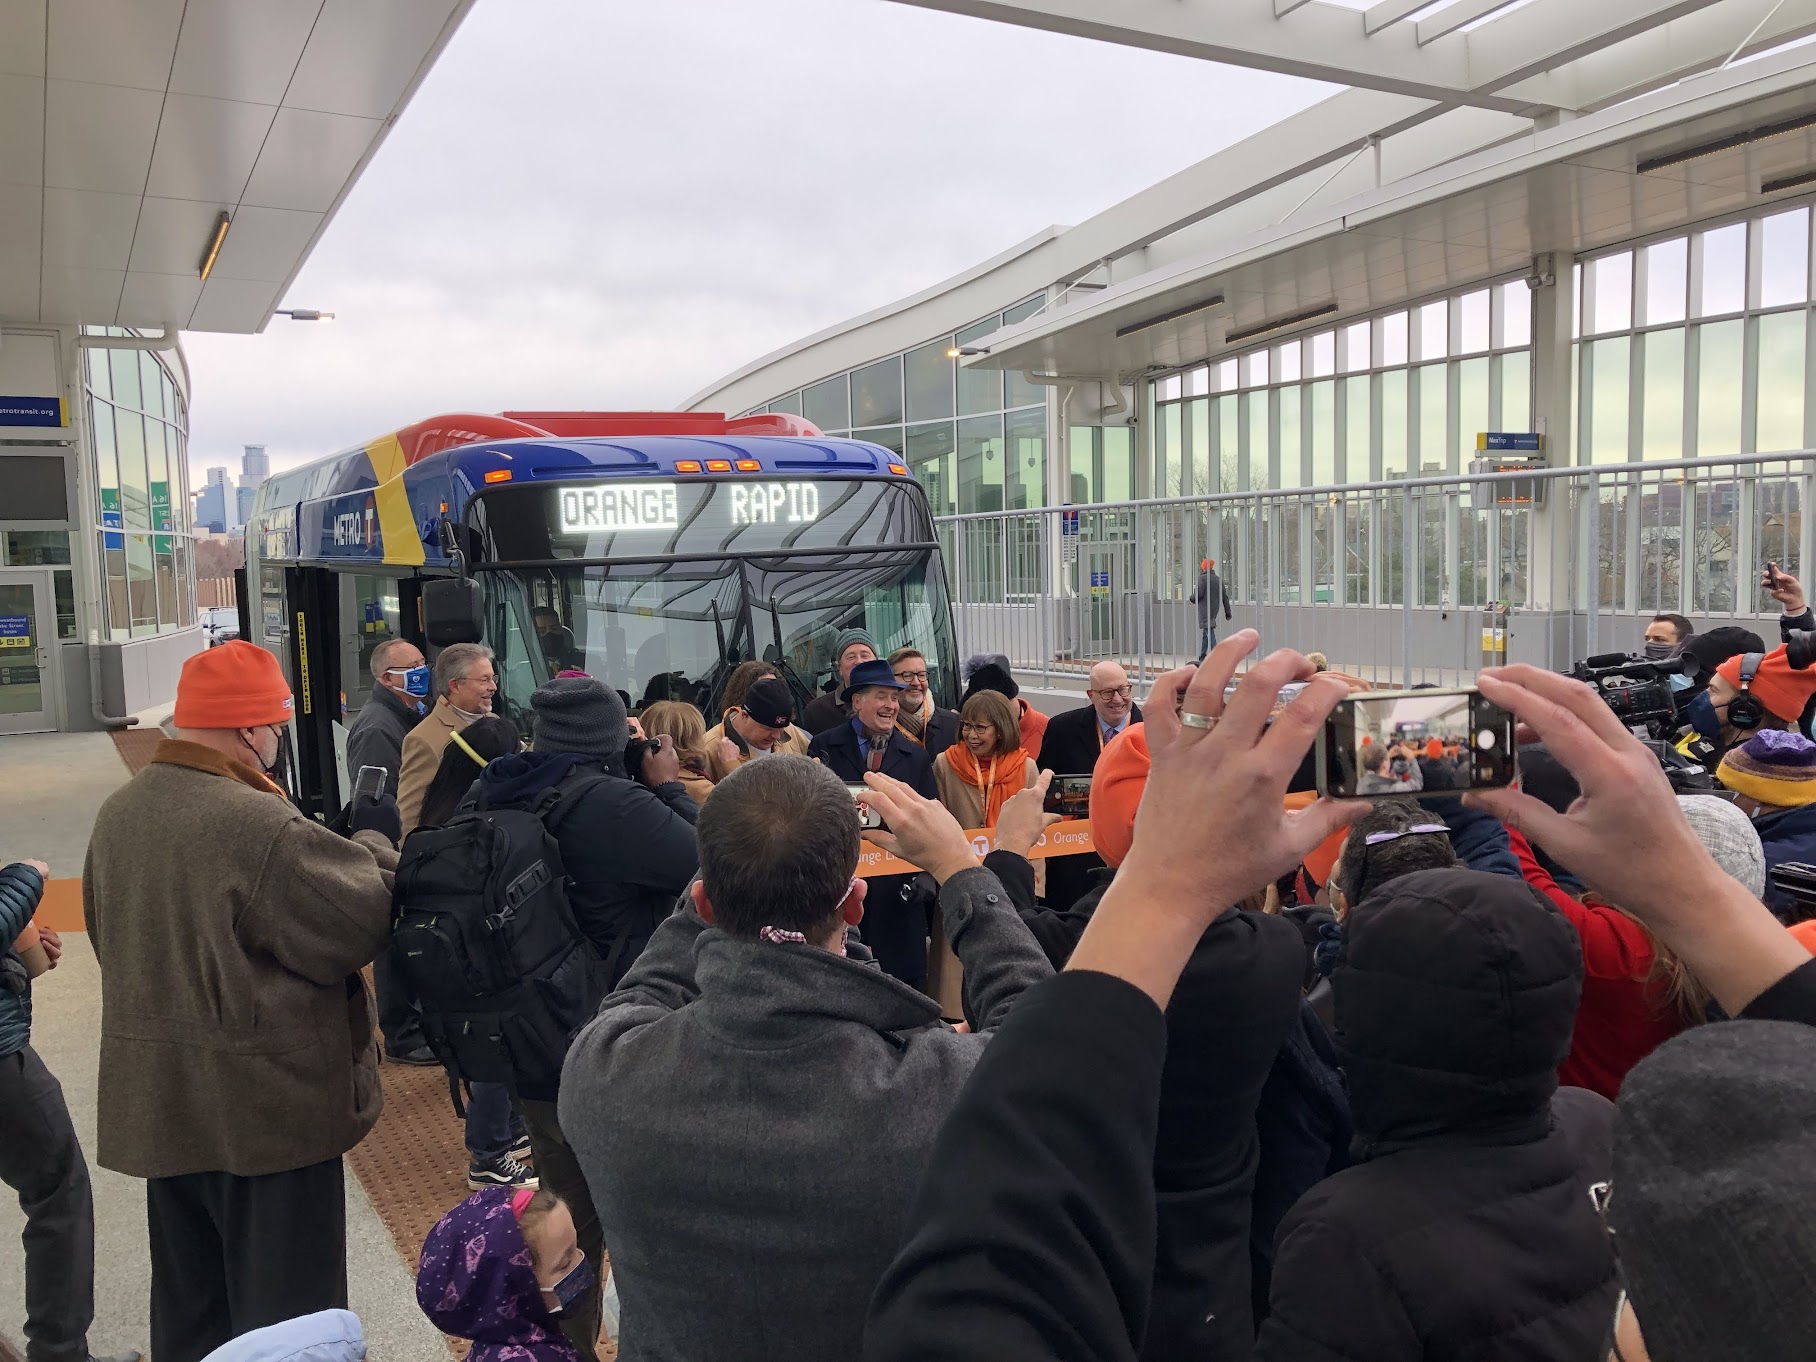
<point x="1583" y="472"/>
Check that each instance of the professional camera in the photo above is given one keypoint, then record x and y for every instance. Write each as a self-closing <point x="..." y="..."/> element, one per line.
<point x="1635" y="688"/>
<point x="1800" y="648"/>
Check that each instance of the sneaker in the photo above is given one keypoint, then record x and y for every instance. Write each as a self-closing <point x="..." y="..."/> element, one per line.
<point x="504" y="1172"/>
<point x="422" y="1057"/>
<point x="521" y="1150"/>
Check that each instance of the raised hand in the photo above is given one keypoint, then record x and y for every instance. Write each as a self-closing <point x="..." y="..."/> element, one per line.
<point x="1782" y="587"/>
<point x="922" y="832"/>
<point x="1024" y="817"/>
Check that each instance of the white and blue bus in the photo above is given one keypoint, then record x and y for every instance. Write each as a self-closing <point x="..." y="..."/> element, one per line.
<point x="653" y="551"/>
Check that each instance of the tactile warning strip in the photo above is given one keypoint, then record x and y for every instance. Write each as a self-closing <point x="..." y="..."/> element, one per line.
<point x="414" y="1165"/>
<point x="136" y="746"/>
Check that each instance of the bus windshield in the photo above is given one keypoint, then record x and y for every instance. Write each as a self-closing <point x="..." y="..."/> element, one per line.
<point x="674" y="630"/>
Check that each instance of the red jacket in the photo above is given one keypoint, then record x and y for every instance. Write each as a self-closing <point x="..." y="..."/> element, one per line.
<point x="1622" y="1018"/>
<point x="1033" y="729"/>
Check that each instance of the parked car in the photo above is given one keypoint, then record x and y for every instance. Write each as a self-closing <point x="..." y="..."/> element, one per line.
<point x="220" y="623"/>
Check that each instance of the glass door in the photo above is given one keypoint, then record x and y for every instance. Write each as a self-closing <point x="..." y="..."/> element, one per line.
<point x="28" y="646"/>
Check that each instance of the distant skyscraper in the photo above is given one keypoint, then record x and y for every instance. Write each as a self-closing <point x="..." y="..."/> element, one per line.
<point x="217" y="477"/>
<point x="211" y="503"/>
<point x="255" y="465"/>
<point x="243" y="499"/>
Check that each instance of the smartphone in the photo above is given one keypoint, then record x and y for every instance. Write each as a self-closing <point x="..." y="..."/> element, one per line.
<point x="1069" y="796"/>
<point x="1798" y="880"/>
<point x="1370" y="746"/>
<point x="370" y="782"/>
<point x="868" y="817"/>
<point x="1771" y="575"/>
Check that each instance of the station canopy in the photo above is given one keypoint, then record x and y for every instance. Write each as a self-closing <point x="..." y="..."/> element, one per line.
<point x="129" y="127"/>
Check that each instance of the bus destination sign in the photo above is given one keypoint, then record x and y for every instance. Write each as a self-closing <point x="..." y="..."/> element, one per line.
<point x="616" y="507"/>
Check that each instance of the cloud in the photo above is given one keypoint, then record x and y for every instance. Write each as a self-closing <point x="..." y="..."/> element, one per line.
<point x="609" y="206"/>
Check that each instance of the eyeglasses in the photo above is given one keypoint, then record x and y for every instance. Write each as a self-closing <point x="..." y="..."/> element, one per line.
<point x="912" y="678"/>
<point x="1124" y="691"/>
<point x="976" y="728"/>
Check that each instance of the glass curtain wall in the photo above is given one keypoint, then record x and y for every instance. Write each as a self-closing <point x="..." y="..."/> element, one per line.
<point x="1695" y="346"/>
<point x="975" y="439"/>
<point x="141" y="444"/>
<point x="1402" y="394"/>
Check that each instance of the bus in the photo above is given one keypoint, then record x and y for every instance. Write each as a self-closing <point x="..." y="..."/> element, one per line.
<point x="654" y="551"/>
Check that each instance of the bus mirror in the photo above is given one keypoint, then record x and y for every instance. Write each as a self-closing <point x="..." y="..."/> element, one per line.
<point x="453" y="611"/>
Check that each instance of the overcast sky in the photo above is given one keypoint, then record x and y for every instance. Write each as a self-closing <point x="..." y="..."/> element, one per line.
<point x="592" y="203"/>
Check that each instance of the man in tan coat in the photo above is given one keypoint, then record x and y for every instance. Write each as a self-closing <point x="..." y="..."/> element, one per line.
<point x="237" y="1055"/>
<point x="763" y="725"/>
<point x="465" y="683"/>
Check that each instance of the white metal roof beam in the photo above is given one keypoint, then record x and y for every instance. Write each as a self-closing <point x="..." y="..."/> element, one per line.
<point x="1460" y="15"/>
<point x="1317" y="42"/>
<point x="1662" y="55"/>
<point x="1543" y="37"/>
<point x="1282" y="8"/>
<point x="1377" y="17"/>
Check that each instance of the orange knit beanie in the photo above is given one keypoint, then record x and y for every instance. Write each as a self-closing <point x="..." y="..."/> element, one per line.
<point x="234" y="685"/>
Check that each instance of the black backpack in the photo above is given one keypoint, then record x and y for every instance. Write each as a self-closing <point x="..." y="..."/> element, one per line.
<point x="487" y="940"/>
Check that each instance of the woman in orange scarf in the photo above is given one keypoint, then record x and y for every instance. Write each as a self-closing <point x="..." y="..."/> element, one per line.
<point x="986" y="765"/>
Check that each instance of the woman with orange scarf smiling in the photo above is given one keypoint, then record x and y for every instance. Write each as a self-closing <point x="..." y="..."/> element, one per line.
<point x="986" y="765"/>
<point x="975" y="775"/>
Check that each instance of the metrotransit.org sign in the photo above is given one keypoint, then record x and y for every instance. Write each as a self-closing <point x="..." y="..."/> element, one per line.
<point x="32" y="411"/>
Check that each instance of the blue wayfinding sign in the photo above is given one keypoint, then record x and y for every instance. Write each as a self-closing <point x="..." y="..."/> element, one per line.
<point x="15" y="631"/>
<point x="1510" y="440"/>
<point x="31" y="411"/>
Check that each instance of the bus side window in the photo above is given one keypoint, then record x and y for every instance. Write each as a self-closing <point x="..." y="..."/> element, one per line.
<point x="517" y="651"/>
<point x="370" y="613"/>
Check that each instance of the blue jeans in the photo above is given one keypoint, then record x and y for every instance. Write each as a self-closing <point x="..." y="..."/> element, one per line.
<point x="1207" y="639"/>
<point x="490" y="1123"/>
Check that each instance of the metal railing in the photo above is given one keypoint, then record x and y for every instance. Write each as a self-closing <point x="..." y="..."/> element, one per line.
<point x="1395" y="581"/>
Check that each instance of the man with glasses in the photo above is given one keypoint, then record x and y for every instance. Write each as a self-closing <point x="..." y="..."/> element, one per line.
<point x="761" y="726"/>
<point x="919" y="720"/>
<point x="1074" y="740"/>
<point x="466" y="681"/>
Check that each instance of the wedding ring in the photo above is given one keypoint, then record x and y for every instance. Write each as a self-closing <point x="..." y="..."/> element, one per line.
<point x="1205" y="721"/>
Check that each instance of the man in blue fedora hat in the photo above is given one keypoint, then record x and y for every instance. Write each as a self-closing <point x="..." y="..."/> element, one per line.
<point x="895" y="922"/>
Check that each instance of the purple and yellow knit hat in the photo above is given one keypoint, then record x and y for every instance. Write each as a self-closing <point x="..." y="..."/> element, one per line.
<point x="1775" y="767"/>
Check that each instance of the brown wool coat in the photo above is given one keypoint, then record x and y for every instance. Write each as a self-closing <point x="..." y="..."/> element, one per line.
<point x="422" y="759"/>
<point x="236" y="1030"/>
<point x="794" y="742"/>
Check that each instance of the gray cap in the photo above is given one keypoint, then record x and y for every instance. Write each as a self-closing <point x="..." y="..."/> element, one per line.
<point x="1729" y="836"/>
<point x="1714" y="1178"/>
<point x="578" y="714"/>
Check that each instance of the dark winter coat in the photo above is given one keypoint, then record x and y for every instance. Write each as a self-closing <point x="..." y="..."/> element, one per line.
<point x="1465" y="1231"/>
<point x="21" y="888"/>
<point x="825" y="712"/>
<point x="1787" y="835"/>
<point x="1072" y="744"/>
<point x="753" y="1119"/>
<point x="1210" y="594"/>
<point x="476" y="1280"/>
<point x="378" y="733"/>
<point x="896" y="912"/>
<point x="1236" y="1003"/>
<point x="628" y="850"/>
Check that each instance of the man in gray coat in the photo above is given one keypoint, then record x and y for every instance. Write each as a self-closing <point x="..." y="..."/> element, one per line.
<point x="755" y="1106"/>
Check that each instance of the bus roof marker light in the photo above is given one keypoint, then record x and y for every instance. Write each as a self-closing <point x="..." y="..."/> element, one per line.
<point x="718" y="465"/>
<point x="499" y="475"/>
<point x="687" y="465"/>
<point x="898" y="470"/>
<point x="749" y="466"/>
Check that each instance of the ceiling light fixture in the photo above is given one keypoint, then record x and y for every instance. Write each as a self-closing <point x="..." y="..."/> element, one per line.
<point x="214" y="243"/>
<point x="1739" y="139"/>
<point x="1173" y="316"/>
<point x="1783" y="182"/>
<point x="966" y="351"/>
<point x="303" y="314"/>
<point x="1279" y="324"/>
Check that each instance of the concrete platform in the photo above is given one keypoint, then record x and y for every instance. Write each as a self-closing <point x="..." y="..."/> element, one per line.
<point x="52" y="787"/>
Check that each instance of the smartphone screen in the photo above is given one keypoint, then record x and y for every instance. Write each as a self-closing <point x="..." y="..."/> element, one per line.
<point x="369" y="782"/>
<point x="868" y="817"/>
<point x="1069" y="796"/>
<point x="1387" y="743"/>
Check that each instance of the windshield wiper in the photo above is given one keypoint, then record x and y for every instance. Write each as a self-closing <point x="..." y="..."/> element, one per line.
<point x="781" y="658"/>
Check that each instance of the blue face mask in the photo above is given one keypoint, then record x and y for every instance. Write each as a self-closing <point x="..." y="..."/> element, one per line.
<point x="416" y="684"/>
<point x="571" y="1287"/>
<point x="1702" y="717"/>
<point x="1681" y="682"/>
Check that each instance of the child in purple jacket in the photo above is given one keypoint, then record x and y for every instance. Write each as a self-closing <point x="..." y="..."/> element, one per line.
<point x="498" y="1269"/>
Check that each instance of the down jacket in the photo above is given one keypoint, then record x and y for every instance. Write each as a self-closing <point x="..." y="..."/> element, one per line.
<point x="1466" y="1230"/>
<point x="21" y="888"/>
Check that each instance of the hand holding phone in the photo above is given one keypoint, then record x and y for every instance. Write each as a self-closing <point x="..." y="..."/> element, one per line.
<point x="868" y="816"/>
<point x="1069" y="796"/>
<point x="1359" y="756"/>
<point x="369" y="784"/>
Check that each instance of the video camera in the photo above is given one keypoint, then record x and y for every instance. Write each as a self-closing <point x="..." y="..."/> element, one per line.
<point x="1800" y="648"/>
<point x="1635" y="688"/>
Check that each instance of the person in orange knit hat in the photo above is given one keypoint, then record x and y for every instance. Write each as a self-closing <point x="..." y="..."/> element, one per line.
<point x="1782" y="691"/>
<point x="238" y="1061"/>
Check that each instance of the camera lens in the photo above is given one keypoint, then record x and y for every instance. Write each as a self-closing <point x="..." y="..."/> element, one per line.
<point x="1486" y="739"/>
<point x="1800" y="649"/>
